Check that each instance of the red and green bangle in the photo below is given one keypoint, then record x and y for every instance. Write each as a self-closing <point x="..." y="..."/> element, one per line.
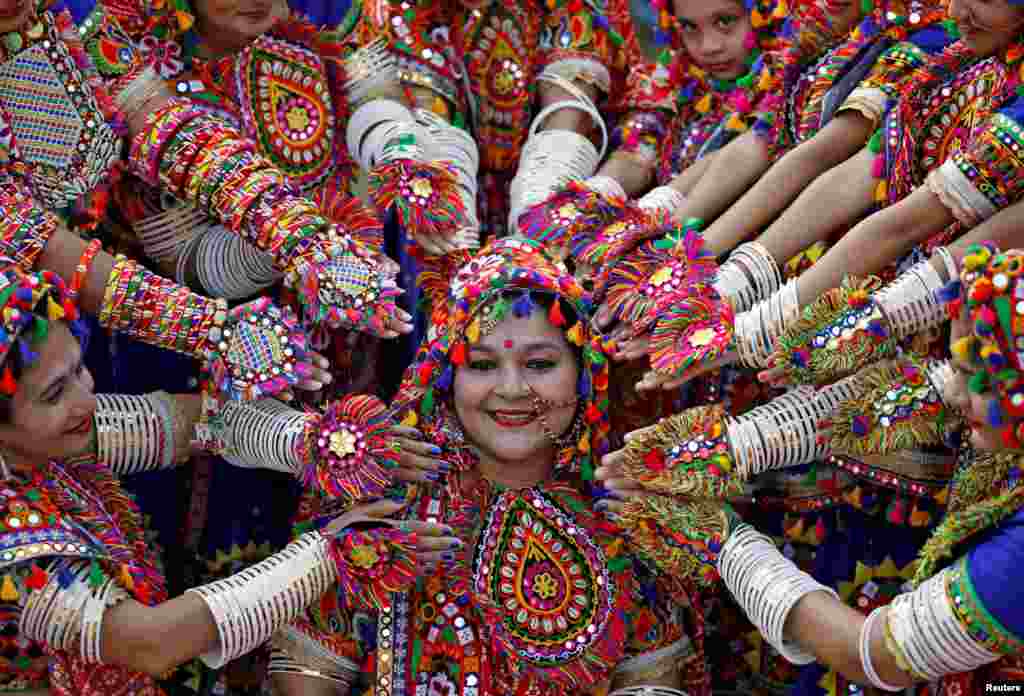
<point x="26" y="228"/>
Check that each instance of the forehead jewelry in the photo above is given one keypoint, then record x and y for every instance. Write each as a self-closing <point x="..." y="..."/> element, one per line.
<point x="509" y="344"/>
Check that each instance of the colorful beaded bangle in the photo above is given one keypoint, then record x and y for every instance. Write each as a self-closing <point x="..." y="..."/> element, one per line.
<point x="82" y="269"/>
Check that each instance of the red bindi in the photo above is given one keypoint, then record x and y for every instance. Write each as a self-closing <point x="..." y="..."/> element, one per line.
<point x="509" y="344"/>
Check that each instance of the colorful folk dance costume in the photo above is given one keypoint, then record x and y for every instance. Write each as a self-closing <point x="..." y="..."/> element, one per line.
<point x="953" y="616"/>
<point x="73" y="544"/>
<point x="544" y="599"/>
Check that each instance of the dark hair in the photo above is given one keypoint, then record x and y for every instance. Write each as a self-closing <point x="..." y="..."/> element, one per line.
<point x="19" y="358"/>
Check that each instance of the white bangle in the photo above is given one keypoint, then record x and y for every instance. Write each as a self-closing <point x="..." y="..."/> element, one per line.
<point x="606" y="186"/>
<point x="767" y="586"/>
<point x="664" y="199"/>
<point x="251" y="605"/>
<point x="867" y="666"/>
<point x="929" y="636"/>
<point x="909" y="303"/>
<point x="369" y="71"/>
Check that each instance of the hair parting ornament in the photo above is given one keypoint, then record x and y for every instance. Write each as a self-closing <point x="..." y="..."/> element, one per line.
<point x="514" y="277"/>
<point x="28" y="303"/>
<point x="990" y="296"/>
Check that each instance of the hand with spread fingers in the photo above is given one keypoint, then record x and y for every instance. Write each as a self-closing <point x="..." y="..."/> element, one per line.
<point x="681" y="535"/>
<point x="342" y="283"/>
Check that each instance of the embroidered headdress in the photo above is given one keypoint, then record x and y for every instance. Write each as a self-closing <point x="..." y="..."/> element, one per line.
<point x="28" y="303"/>
<point x="512" y="277"/>
<point x="990" y="295"/>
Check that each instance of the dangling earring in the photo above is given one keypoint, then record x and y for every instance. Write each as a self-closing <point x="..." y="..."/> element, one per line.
<point x="4" y="471"/>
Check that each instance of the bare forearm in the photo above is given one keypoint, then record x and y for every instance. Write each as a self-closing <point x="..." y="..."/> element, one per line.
<point x="831" y="631"/>
<point x="688" y="178"/>
<point x="773" y="192"/>
<point x="156" y="639"/>
<point x="1005" y="228"/>
<point x="61" y="256"/>
<point x="835" y="200"/>
<point x="876" y="242"/>
<point x="566" y="119"/>
<point x="727" y="177"/>
<point x="633" y="175"/>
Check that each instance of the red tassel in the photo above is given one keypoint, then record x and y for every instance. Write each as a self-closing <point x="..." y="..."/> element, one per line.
<point x="37" y="579"/>
<point x="7" y="384"/>
<point x="424" y="373"/>
<point x="458" y="354"/>
<point x="819" y="530"/>
<point x="555" y="315"/>
<point x="593" y="413"/>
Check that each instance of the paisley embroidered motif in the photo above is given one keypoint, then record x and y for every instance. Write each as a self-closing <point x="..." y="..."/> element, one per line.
<point x="545" y="577"/>
<point x="288" y="108"/>
<point x="498" y="65"/>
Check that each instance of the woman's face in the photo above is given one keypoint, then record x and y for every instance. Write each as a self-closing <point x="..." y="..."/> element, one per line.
<point x="237" y="22"/>
<point x="717" y="35"/>
<point x="52" y="411"/>
<point x="974" y="407"/>
<point x="987" y="26"/>
<point x="497" y="390"/>
<point x="14" y="14"/>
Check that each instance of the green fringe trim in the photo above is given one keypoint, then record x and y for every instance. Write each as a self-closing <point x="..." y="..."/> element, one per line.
<point x="973" y="509"/>
<point x="926" y="426"/>
<point x="826" y="365"/>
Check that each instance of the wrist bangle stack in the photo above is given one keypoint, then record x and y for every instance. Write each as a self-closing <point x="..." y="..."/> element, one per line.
<point x="370" y="72"/>
<point x="374" y="124"/>
<point x="156" y="311"/>
<point x="264" y="434"/>
<point x="311" y="660"/>
<point x="758" y="328"/>
<point x="909" y="303"/>
<point x="647" y="691"/>
<point x="749" y="274"/>
<point x="26" y="227"/>
<point x="165" y="233"/>
<point x="139" y="433"/>
<point x="663" y="199"/>
<point x="779" y="434"/>
<point x="864" y="644"/>
<point x="456" y="146"/>
<point x="206" y="161"/>
<point x="250" y="606"/>
<point x="952" y="272"/>
<point x="67" y="613"/>
<point x="225" y="265"/>
<point x="940" y="374"/>
<point x="767" y="586"/>
<point x="925" y="632"/>
<point x="551" y="159"/>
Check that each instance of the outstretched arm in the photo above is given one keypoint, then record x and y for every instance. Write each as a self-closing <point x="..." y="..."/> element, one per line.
<point x="94" y="620"/>
<point x="787" y="178"/>
<point x="725" y="178"/>
<point x="876" y="242"/>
